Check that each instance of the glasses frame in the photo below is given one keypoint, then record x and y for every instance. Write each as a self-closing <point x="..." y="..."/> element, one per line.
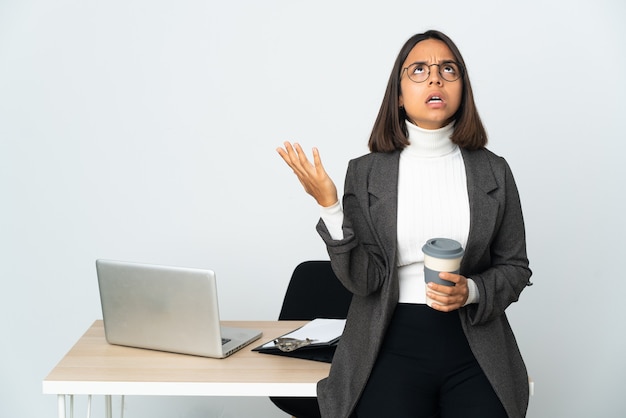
<point x="460" y="74"/>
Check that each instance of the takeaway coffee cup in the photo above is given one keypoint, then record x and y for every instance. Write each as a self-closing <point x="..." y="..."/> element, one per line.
<point x="441" y="255"/>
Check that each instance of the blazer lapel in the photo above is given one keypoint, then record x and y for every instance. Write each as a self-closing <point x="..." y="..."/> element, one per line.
<point x="382" y="188"/>
<point x="483" y="208"/>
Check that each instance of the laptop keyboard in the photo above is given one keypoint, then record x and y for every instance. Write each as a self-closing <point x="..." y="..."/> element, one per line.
<point x="225" y="340"/>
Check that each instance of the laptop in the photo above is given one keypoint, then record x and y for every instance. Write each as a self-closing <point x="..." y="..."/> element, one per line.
<point x="165" y="308"/>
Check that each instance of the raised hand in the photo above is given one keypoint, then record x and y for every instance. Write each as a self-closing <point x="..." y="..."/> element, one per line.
<point x="312" y="176"/>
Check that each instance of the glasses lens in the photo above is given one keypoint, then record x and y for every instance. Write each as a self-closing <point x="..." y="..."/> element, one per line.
<point x="418" y="72"/>
<point x="450" y="71"/>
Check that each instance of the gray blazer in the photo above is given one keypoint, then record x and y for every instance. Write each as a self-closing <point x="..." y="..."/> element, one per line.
<point x="365" y="262"/>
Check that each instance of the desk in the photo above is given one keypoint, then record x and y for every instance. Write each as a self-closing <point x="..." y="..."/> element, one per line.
<point x="95" y="367"/>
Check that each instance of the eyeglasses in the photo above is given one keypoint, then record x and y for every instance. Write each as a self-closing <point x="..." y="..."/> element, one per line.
<point x="419" y="72"/>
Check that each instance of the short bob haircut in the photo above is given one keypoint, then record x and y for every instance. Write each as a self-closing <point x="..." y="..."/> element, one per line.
<point x="390" y="133"/>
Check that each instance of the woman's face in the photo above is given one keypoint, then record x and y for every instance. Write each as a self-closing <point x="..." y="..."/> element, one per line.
<point x="432" y="103"/>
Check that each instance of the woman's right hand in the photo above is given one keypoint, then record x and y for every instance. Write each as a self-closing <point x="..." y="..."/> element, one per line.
<point x="313" y="177"/>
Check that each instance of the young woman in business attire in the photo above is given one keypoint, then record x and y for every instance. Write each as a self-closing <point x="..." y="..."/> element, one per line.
<point x="428" y="175"/>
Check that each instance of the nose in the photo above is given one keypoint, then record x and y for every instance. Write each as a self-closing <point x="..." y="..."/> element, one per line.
<point x="433" y="74"/>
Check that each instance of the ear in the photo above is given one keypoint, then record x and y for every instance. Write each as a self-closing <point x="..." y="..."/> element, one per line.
<point x="400" y="101"/>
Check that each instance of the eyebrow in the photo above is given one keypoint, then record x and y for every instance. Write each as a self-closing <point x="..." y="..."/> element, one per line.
<point x="448" y="61"/>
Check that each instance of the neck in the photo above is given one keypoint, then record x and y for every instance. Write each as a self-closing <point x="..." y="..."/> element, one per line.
<point x="429" y="142"/>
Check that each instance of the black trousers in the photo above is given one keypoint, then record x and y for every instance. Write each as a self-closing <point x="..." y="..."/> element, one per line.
<point x="425" y="369"/>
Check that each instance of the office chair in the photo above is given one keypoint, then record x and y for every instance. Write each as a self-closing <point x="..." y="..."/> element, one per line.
<point x="313" y="292"/>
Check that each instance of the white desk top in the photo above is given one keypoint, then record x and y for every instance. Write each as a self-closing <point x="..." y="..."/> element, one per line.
<point x="95" y="367"/>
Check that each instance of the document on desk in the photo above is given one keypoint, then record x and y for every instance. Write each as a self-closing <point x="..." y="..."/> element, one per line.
<point x="319" y="331"/>
<point x="317" y="340"/>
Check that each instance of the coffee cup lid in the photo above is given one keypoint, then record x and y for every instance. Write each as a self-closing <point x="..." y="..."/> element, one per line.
<point x="443" y="248"/>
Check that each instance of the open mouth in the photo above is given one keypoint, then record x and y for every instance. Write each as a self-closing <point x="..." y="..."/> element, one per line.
<point x="435" y="99"/>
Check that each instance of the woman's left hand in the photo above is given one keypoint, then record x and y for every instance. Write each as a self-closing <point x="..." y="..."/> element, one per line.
<point x="448" y="298"/>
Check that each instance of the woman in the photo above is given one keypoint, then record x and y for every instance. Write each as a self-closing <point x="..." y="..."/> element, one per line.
<point x="428" y="175"/>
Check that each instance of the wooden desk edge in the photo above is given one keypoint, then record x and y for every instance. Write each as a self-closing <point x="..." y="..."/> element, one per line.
<point x="57" y="382"/>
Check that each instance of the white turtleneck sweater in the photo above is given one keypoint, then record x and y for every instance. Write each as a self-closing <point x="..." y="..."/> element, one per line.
<point x="432" y="202"/>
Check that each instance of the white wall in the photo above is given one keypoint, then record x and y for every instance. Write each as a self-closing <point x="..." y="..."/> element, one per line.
<point x="145" y="130"/>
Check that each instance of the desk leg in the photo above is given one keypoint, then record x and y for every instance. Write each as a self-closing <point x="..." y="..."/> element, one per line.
<point x="108" y="406"/>
<point x="88" y="406"/>
<point x="61" y="406"/>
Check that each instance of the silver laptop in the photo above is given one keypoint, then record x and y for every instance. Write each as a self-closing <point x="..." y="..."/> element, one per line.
<point x="165" y="308"/>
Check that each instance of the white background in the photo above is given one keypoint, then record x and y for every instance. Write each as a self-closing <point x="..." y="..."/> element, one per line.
<point x="146" y="131"/>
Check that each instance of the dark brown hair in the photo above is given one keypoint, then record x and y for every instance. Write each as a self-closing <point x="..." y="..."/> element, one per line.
<point x="390" y="133"/>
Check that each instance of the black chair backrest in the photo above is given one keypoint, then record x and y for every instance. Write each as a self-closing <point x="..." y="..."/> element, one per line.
<point x="315" y="292"/>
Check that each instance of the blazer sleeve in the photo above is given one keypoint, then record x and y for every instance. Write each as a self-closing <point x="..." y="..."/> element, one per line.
<point x="357" y="259"/>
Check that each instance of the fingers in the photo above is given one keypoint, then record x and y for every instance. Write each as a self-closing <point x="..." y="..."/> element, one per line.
<point x="444" y="303"/>
<point x="449" y="298"/>
<point x="288" y="154"/>
<point x="312" y="176"/>
<point x="295" y="157"/>
<point x="317" y="161"/>
<point x="451" y="277"/>
<point x="301" y="155"/>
